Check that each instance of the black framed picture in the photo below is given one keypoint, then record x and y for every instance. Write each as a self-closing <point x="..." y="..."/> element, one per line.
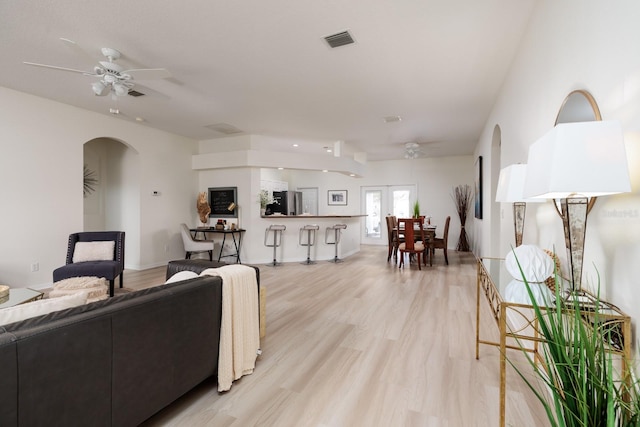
<point x="478" y="188"/>
<point x="221" y="199"/>
<point x="337" y="197"/>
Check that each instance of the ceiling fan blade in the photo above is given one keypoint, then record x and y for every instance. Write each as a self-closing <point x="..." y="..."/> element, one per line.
<point x="54" y="67"/>
<point x="78" y="49"/>
<point x="148" y="73"/>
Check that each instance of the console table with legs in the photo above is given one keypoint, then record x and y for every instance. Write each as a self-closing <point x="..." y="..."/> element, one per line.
<point x="237" y="241"/>
<point x="518" y="326"/>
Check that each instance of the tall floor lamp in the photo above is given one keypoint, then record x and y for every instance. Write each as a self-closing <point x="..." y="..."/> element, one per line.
<point x="572" y="162"/>
<point x="510" y="190"/>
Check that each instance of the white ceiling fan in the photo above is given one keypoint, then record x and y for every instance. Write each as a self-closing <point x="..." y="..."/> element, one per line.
<point x="112" y="77"/>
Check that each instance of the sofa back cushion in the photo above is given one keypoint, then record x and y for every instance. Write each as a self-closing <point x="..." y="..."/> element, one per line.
<point x="40" y="307"/>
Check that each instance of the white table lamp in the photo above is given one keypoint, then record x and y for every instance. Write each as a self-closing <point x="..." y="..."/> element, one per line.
<point x="572" y="162"/>
<point x="510" y="189"/>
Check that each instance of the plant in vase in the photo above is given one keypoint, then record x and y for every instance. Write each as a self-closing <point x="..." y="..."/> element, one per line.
<point x="264" y="198"/>
<point x="580" y="384"/>
<point x="416" y="209"/>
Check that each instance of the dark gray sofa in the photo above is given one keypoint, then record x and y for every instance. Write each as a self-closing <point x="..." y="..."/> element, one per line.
<point x="110" y="363"/>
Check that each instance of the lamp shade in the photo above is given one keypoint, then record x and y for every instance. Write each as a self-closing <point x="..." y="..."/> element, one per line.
<point x="583" y="158"/>
<point x="511" y="185"/>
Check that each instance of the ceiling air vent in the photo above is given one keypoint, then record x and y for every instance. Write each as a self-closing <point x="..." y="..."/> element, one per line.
<point x="339" y="39"/>
<point x="135" y="93"/>
<point x="224" y="128"/>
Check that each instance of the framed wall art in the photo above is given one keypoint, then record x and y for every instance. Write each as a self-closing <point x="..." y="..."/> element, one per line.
<point x="478" y="188"/>
<point x="337" y="197"/>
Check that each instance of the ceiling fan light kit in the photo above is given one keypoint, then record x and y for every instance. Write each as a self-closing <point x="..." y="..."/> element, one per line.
<point x="114" y="78"/>
<point x="411" y="150"/>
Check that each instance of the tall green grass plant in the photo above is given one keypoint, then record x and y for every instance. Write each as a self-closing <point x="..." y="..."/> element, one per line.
<point x="577" y="368"/>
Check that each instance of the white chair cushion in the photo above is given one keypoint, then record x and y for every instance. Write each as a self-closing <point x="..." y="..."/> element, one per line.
<point x="40" y="307"/>
<point x="418" y="246"/>
<point x="94" y="251"/>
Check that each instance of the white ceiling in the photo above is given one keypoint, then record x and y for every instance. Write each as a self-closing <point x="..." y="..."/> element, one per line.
<point x="263" y="66"/>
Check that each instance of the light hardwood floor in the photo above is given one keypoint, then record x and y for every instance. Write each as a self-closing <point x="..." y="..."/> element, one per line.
<point x="363" y="343"/>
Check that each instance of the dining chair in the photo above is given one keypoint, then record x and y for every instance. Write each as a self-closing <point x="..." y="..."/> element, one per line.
<point x="413" y="239"/>
<point x="391" y="233"/>
<point x="192" y="246"/>
<point x="395" y="238"/>
<point x="389" y="236"/>
<point x="441" y="243"/>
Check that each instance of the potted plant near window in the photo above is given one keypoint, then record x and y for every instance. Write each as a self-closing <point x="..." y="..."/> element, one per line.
<point x="416" y="209"/>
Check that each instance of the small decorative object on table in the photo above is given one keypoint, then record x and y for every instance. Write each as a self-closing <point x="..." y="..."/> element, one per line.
<point x="203" y="208"/>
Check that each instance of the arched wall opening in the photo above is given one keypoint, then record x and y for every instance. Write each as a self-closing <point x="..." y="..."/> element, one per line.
<point x="115" y="202"/>
<point x="496" y="212"/>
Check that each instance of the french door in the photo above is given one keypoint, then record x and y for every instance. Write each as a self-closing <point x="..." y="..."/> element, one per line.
<point x="381" y="201"/>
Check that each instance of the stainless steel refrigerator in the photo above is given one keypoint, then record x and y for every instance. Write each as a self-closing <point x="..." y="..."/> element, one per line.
<point x="290" y="202"/>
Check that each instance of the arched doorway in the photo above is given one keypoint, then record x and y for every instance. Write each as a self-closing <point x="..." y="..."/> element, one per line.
<point x="114" y="203"/>
<point x="496" y="143"/>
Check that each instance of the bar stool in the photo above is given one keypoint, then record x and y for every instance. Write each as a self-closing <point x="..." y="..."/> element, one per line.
<point x="311" y="240"/>
<point x="277" y="239"/>
<point x="336" y="229"/>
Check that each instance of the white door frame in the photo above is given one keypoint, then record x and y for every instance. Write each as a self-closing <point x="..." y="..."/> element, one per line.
<point x="386" y="208"/>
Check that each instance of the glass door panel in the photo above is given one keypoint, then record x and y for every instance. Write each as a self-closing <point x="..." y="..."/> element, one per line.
<point x="381" y="201"/>
<point x="372" y="208"/>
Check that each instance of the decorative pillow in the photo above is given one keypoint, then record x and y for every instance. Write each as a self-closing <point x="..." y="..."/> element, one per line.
<point x="182" y="275"/>
<point x="40" y="307"/>
<point x="94" y="251"/>
<point x="534" y="264"/>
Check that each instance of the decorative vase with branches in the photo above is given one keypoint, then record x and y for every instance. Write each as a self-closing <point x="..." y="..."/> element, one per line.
<point x="462" y="197"/>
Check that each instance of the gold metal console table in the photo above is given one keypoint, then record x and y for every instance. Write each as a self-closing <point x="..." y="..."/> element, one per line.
<point x="518" y="322"/>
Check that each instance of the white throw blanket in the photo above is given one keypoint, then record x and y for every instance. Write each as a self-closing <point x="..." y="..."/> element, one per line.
<point x="240" y="325"/>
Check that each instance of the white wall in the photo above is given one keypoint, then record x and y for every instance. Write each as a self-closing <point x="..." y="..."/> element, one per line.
<point x="41" y="185"/>
<point x="576" y="44"/>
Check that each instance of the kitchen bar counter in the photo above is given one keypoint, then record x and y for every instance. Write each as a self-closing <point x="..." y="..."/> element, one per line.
<point x="310" y="216"/>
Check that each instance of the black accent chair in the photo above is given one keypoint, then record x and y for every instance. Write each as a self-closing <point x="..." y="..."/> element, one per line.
<point x="107" y="269"/>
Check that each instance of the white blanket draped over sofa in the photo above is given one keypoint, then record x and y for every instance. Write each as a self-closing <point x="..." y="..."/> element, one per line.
<point x="240" y="325"/>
